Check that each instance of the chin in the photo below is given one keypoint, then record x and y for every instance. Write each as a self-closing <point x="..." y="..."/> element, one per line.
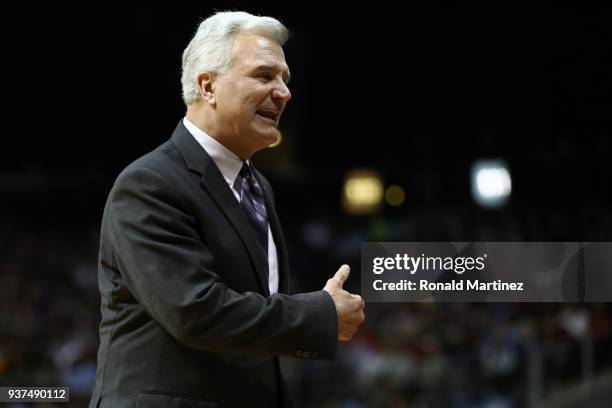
<point x="269" y="138"/>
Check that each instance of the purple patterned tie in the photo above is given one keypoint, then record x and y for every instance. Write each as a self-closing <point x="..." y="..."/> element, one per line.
<point x="252" y="200"/>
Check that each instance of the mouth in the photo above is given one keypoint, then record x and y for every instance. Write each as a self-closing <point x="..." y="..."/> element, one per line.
<point x="269" y="116"/>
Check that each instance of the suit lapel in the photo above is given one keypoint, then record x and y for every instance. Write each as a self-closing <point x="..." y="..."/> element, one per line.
<point x="213" y="182"/>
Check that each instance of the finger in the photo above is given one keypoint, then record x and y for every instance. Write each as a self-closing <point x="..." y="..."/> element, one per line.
<point x="358" y="318"/>
<point x="359" y="300"/>
<point x="342" y="274"/>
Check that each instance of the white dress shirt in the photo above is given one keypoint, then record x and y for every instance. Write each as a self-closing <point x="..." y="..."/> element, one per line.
<point x="230" y="165"/>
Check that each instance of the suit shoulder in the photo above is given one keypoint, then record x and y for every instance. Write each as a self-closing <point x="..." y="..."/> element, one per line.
<point x="163" y="161"/>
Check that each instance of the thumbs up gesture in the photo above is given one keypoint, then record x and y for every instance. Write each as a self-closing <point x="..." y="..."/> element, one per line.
<point x="348" y="307"/>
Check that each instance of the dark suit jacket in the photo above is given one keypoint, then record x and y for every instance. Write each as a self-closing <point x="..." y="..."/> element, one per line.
<point x="187" y="319"/>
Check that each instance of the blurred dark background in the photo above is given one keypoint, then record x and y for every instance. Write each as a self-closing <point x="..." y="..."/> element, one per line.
<point x="415" y="95"/>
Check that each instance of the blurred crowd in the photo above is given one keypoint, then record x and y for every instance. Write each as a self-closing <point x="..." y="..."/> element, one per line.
<point x="405" y="354"/>
<point x="49" y="307"/>
<point x="489" y="355"/>
<point x="461" y="355"/>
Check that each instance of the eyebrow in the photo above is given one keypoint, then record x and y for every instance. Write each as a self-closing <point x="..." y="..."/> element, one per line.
<point x="260" y="68"/>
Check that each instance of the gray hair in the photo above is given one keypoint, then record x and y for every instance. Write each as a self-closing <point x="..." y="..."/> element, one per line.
<point x="210" y="48"/>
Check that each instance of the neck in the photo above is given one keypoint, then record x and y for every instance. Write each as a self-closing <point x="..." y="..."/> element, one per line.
<point x="203" y="117"/>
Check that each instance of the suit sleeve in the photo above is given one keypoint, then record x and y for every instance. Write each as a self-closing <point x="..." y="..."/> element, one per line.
<point x="171" y="273"/>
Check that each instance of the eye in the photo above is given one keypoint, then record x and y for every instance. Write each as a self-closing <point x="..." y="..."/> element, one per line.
<point x="265" y="77"/>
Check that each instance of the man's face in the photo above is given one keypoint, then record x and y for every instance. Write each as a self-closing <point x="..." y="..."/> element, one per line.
<point x="252" y="95"/>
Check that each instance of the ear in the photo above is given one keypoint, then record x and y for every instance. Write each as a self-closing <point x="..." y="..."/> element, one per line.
<point x="206" y="86"/>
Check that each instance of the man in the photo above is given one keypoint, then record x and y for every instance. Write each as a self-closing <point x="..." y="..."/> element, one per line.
<point x="193" y="267"/>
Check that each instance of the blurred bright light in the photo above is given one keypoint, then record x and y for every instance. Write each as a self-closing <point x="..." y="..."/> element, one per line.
<point x="395" y="195"/>
<point x="491" y="183"/>
<point x="363" y="192"/>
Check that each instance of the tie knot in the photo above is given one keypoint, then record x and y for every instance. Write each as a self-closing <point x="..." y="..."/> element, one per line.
<point x="245" y="171"/>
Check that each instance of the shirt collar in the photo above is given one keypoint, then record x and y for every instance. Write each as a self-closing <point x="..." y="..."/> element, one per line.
<point x="228" y="163"/>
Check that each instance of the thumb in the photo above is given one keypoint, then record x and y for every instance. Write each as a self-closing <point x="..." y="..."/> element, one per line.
<point x="342" y="274"/>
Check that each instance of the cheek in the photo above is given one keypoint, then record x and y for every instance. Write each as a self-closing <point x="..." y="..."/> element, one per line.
<point x="253" y="99"/>
<point x="244" y="98"/>
<point x="255" y="94"/>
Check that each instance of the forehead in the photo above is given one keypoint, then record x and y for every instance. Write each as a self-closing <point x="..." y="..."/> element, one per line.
<point x="251" y="50"/>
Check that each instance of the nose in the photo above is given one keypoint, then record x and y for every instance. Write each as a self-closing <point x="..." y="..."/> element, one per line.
<point x="282" y="92"/>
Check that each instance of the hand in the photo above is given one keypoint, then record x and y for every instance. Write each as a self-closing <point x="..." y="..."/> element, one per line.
<point x="348" y="307"/>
